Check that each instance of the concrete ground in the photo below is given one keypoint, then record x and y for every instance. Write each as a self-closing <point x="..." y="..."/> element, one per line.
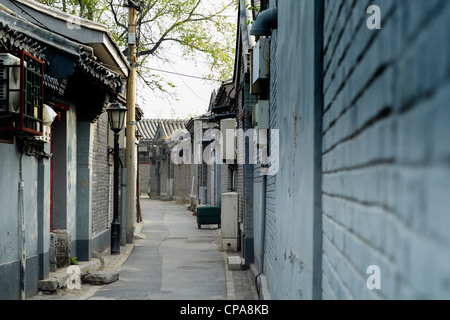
<point x="171" y="259"/>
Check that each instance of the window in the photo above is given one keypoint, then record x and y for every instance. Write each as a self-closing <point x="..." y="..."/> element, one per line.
<point x="21" y="93"/>
<point x="144" y="157"/>
<point x="144" y="154"/>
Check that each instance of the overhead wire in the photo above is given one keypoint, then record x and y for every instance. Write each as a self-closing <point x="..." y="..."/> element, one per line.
<point x="182" y="74"/>
<point x="195" y="93"/>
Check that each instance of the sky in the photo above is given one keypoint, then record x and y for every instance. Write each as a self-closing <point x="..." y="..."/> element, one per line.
<point x="193" y="94"/>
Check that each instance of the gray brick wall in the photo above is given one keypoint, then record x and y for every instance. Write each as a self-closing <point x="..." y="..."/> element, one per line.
<point x="153" y="179"/>
<point x="248" y="168"/>
<point x="271" y="212"/>
<point x="224" y="178"/>
<point x="239" y="180"/>
<point x="164" y="177"/>
<point x="209" y="185"/>
<point x="246" y="198"/>
<point x="100" y="176"/>
<point x="297" y="190"/>
<point x="144" y="176"/>
<point x="385" y="144"/>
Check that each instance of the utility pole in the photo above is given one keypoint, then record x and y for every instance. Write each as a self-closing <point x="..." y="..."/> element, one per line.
<point x="130" y="156"/>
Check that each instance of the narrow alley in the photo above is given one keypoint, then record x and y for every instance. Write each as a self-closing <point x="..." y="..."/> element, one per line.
<point x="171" y="260"/>
<point x="311" y="163"/>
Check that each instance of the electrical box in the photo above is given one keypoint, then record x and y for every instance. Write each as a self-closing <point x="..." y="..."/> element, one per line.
<point x="229" y="220"/>
<point x="9" y="83"/>
<point x="260" y="121"/>
<point x="260" y="67"/>
<point x="260" y="115"/>
<point x="228" y="145"/>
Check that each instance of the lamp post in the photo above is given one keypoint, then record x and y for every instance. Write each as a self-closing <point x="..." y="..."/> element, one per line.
<point x="116" y="115"/>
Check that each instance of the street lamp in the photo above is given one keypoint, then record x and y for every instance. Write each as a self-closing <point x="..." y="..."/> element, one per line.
<point x="116" y="115"/>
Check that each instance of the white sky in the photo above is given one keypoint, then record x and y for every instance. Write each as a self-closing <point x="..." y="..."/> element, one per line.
<point x="193" y="94"/>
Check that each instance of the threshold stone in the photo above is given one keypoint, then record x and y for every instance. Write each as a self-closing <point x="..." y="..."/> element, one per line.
<point x="101" y="277"/>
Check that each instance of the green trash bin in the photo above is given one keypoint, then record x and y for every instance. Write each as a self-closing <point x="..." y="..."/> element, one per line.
<point x="208" y="215"/>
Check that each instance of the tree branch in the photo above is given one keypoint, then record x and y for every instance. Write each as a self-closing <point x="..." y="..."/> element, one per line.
<point x="114" y="13"/>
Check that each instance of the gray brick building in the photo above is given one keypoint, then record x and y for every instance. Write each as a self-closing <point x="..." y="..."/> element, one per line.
<point x="66" y="188"/>
<point x="356" y="208"/>
<point x="159" y="176"/>
<point x="385" y="120"/>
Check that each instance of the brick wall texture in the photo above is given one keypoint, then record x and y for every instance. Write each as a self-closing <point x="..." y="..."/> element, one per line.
<point x="386" y="174"/>
<point x="239" y="180"/>
<point x="384" y="152"/>
<point x="101" y="171"/>
<point x="271" y="212"/>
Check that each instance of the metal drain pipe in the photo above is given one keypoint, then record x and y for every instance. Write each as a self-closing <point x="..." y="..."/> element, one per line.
<point x="22" y="242"/>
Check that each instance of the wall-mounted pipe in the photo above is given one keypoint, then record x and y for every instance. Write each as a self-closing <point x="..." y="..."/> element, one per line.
<point x="245" y="25"/>
<point x="22" y="242"/>
<point x="265" y="22"/>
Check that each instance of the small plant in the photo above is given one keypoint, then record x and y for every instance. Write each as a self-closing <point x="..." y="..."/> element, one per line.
<point x="73" y="261"/>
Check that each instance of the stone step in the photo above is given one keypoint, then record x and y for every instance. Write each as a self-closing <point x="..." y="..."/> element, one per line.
<point x="101" y="277"/>
<point x="58" y="280"/>
<point x="234" y="263"/>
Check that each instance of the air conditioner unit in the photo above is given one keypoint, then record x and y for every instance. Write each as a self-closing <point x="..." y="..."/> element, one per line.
<point x="260" y="66"/>
<point x="21" y="93"/>
<point x="229" y="220"/>
<point x="228" y="145"/>
<point x="9" y="83"/>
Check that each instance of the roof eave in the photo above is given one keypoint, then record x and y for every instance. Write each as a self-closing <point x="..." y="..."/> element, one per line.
<point x="90" y="33"/>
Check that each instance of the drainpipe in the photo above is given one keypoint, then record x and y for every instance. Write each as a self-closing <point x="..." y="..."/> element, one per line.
<point x="22" y="244"/>
<point x="265" y="22"/>
<point x="246" y="20"/>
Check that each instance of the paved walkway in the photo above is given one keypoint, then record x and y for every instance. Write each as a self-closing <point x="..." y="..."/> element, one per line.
<point x="171" y="259"/>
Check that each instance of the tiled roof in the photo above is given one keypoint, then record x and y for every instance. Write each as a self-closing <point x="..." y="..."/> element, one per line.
<point x="169" y="126"/>
<point x="99" y="73"/>
<point x="15" y="40"/>
<point x="147" y="128"/>
<point x="87" y="61"/>
<point x="152" y="129"/>
<point x="51" y="82"/>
